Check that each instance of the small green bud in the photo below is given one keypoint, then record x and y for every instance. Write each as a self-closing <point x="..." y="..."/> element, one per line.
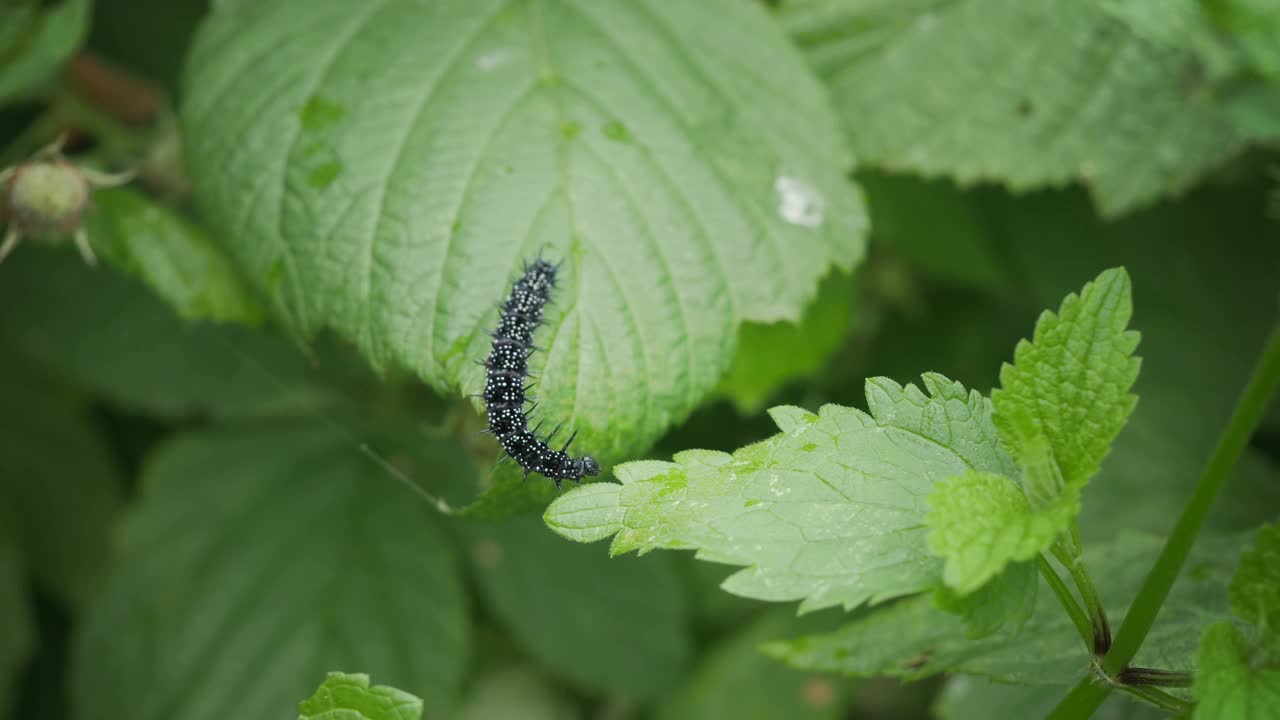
<point x="47" y="198"/>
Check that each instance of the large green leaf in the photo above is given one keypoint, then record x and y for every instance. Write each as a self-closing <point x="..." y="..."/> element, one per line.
<point x="35" y="41"/>
<point x="735" y="680"/>
<point x="912" y="639"/>
<point x="17" y="636"/>
<point x="260" y="559"/>
<point x="1025" y="92"/>
<point x="113" y="337"/>
<point x="59" y="486"/>
<point x="831" y="511"/>
<point x="172" y="255"/>
<point x="382" y="168"/>
<point x="608" y="626"/>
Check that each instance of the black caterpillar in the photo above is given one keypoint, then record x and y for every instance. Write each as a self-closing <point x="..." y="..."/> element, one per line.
<point x="504" y="388"/>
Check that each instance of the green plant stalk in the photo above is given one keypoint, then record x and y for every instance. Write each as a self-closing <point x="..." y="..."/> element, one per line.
<point x="1068" y="601"/>
<point x="1159" y="698"/>
<point x="1085" y="697"/>
<point x="1099" y="640"/>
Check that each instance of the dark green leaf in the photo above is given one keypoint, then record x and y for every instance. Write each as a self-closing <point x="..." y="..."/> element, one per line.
<point x="771" y="355"/>
<point x="17" y="634"/>
<point x="608" y="626"/>
<point x="149" y="37"/>
<point x="735" y="681"/>
<point x="942" y="230"/>
<point x="260" y="559"/>
<point x="112" y="337"/>
<point x="59" y="488"/>
<point x="517" y="692"/>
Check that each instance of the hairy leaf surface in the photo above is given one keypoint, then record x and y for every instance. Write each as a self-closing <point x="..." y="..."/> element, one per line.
<point x="1030" y="93"/>
<point x="831" y="511"/>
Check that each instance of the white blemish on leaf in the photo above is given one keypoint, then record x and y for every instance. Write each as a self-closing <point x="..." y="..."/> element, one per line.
<point x="798" y="202"/>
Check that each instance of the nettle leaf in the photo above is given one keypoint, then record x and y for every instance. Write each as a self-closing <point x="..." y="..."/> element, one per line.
<point x="35" y="39"/>
<point x="345" y="696"/>
<point x="1070" y="384"/>
<point x="171" y="255"/>
<point x="1006" y="602"/>
<point x="258" y="560"/>
<point x="383" y="169"/>
<point x="17" y="626"/>
<point x="1255" y="588"/>
<point x="1231" y="682"/>
<point x="734" y="680"/>
<point x="831" y="511"/>
<point x="913" y="639"/>
<point x="60" y="489"/>
<point x="976" y="90"/>
<point x="533" y="581"/>
<point x="982" y="521"/>
<point x="1061" y="405"/>
<point x="114" y="338"/>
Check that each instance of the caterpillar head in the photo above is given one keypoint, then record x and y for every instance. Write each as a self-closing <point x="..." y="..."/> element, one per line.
<point x="589" y="465"/>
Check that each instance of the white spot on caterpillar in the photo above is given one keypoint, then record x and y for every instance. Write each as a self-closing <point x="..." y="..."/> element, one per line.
<point x="798" y="202"/>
